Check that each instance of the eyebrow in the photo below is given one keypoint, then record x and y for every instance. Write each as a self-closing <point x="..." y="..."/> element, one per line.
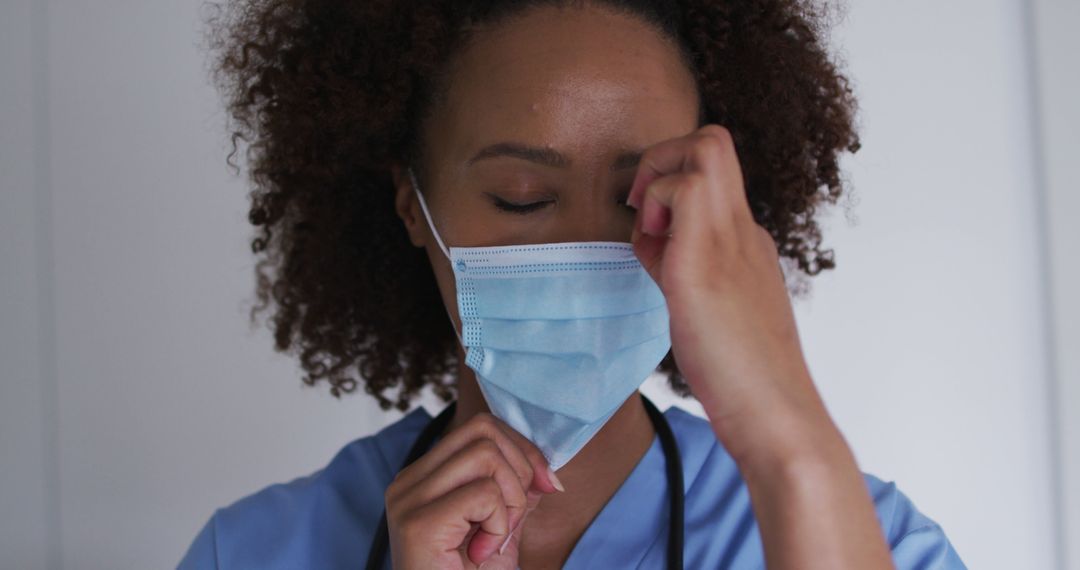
<point x="546" y="156"/>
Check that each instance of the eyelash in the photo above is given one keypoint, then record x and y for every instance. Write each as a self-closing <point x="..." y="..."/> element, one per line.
<point x="520" y="208"/>
<point x="534" y="206"/>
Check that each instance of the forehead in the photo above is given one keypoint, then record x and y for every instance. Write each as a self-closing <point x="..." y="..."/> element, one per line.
<point x="567" y="77"/>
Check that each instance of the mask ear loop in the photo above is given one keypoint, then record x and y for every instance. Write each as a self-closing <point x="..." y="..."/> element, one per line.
<point x="446" y="252"/>
<point x="427" y="214"/>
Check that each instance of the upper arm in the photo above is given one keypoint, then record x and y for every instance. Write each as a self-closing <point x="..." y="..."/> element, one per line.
<point x="202" y="554"/>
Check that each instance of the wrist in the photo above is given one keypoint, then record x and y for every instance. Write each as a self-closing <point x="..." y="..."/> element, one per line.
<point x="781" y="434"/>
<point x="811" y="457"/>
<point x="814" y="509"/>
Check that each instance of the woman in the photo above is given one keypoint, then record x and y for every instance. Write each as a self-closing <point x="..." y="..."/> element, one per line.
<point x="592" y="189"/>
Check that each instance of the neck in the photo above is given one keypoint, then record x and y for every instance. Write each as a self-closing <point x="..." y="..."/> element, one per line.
<point x="590" y="478"/>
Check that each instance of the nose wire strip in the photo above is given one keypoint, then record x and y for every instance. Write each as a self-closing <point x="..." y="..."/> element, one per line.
<point x="427" y="215"/>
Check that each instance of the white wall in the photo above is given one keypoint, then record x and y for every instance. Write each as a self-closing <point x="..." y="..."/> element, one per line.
<point x="928" y="339"/>
<point x="1058" y="126"/>
<point x="27" y="388"/>
<point x="135" y="400"/>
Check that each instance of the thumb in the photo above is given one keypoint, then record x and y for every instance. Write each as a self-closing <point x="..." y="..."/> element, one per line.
<point x="506" y="557"/>
<point x="649" y="250"/>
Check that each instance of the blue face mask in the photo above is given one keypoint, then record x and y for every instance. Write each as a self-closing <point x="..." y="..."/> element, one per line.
<point x="558" y="334"/>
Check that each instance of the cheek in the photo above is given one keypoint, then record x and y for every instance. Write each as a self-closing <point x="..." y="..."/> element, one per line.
<point x="463" y="219"/>
<point x="444" y="277"/>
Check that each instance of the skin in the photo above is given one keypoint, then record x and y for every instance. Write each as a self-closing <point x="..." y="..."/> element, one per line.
<point x="732" y="327"/>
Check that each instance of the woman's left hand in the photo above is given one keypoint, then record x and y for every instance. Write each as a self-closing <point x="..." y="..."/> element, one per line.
<point x="733" y="330"/>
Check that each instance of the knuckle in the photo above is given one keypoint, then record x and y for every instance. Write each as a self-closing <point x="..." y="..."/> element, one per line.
<point x="693" y="179"/>
<point x="517" y="495"/>
<point x="393" y="490"/>
<point x="401" y="474"/>
<point x="649" y="155"/>
<point x="658" y="187"/>
<point x="486" y="449"/>
<point x="394" y="507"/>
<point x="484" y="423"/>
<point x="708" y="148"/>
<point x="684" y="186"/>
<point x="720" y="132"/>
<point x="492" y="488"/>
<point x="484" y="454"/>
<point x="488" y="490"/>
<point x="529" y="473"/>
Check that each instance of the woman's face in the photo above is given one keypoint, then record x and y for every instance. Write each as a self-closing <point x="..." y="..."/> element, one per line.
<point x="539" y="135"/>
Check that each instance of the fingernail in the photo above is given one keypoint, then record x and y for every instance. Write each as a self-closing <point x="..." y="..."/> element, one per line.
<point x="555" y="480"/>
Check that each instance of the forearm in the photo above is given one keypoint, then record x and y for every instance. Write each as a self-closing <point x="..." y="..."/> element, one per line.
<point x="808" y="494"/>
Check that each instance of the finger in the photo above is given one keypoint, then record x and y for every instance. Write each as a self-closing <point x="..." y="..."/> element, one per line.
<point x="526" y="458"/>
<point x="451" y="517"/>
<point x="506" y="558"/>
<point x="656" y="209"/>
<point x="649" y="249"/>
<point x="710" y="150"/>
<point x="718" y="149"/>
<point x="544" y="479"/>
<point x="479" y="426"/>
<point x="666" y="157"/>
<point x="480" y="459"/>
<point x="509" y="546"/>
<point x="685" y="193"/>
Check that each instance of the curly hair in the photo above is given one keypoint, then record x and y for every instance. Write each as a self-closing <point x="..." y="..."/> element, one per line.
<point x="326" y="94"/>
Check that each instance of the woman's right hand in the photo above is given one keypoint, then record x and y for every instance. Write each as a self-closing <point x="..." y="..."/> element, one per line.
<point x="456" y="506"/>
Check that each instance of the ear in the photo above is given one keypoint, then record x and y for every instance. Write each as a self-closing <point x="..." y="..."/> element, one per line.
<point x="407" y="207"/>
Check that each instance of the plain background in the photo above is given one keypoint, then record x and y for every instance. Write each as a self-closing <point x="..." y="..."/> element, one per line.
<point x="135" y="400"/>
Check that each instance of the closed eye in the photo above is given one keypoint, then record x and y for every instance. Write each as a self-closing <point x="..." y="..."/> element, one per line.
<point x="534" y="206"/>
<point x="519" y="208"/>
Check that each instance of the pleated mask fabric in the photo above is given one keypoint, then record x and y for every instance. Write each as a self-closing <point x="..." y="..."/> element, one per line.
<point x="559" y="335"/>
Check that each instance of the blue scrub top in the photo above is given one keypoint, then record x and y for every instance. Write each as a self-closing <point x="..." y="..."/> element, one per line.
<point x="327" y="519"/>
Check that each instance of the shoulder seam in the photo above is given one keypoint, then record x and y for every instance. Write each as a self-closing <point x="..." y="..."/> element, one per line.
<point x="214" y="534"/>
<point x="391" y="470"/>
<point x="928" y="526"/>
